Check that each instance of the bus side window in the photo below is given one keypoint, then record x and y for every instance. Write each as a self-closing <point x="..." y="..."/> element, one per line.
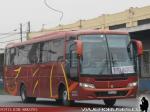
<point x="45" y="54"/>
<point x="12" y="55"/>
<point x="57" y="50"/>
<point x="21" y="56"/>
<point x="34" y="54"/>
<point x="7" y="57"/>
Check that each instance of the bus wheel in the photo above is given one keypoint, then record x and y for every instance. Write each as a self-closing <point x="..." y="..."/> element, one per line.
<point x="65" y="100"/>
<point x="24" y="97"/>
<point x="109" y="102"/>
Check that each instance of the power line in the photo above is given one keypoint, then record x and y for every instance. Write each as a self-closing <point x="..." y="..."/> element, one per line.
<point x="51" y="8"/>
<point x="1" y="34"/>
<point x="11" y="40"/>
<point x="12" y="34"/>
<point x="9" y="35"/>
<point x="12" y="31"/>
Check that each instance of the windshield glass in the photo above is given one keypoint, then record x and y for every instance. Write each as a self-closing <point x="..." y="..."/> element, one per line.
<point x="106" y="54"/>
<point x="120" y="57"/>
<point x="95" y="55"/>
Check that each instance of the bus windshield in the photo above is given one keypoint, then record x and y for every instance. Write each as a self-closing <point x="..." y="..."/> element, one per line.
<point x="106" y="54"/>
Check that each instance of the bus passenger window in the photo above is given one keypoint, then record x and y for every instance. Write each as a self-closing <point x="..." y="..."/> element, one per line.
<point x="45" y="54"/>
<point x="34" y="54"/>
<point x="12" y="55"/>
<point x="7" y="55"/>
<point x="57" y="50"/>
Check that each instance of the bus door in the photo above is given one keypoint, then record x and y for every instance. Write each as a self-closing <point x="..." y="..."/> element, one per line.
<point x="72" y="62"/>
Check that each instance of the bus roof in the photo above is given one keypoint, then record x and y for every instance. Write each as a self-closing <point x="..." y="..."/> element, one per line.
<point x="60" y="34"/>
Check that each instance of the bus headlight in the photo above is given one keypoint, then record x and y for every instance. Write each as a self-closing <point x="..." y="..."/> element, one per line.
<point x="132" y="84"/>
<point x="87" y="85"/>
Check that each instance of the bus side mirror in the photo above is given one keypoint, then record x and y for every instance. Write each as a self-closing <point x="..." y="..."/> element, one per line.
<point x="79" y="47"/>
<point x="139" y="46"/>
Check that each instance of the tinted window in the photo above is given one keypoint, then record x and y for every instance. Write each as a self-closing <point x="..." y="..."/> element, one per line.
<point x="34" y="54"/>
<point x="12" y="56"/>
<point x="45" y="51"/>
<point x="22" y="54"/>
<point x="57" y="50"/>
<point x="7" y="56"/>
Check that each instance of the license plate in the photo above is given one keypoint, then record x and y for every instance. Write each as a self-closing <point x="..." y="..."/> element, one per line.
<point x="123" y="69"/>
<point x="112" y="92"/>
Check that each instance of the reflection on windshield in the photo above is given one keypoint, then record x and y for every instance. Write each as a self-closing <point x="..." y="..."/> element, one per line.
<point x="96" y="59"/>
<point x="120" y="57"/>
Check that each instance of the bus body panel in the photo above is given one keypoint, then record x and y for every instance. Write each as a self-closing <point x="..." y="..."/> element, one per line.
<point x="44" y="79"/>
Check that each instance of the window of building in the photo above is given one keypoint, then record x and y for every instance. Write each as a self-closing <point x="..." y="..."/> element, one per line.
<point x="144" y="21"/>
<point x="118" y="26"/>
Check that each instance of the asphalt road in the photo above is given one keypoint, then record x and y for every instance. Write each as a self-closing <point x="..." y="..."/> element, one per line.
<point x="15" y="101"/>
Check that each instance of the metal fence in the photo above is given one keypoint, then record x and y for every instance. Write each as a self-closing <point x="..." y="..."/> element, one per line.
<point x="144" y="81"/>
<point x="145" y="64"/>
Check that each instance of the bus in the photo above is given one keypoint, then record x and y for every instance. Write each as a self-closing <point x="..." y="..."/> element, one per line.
<point x="73" y="65"/>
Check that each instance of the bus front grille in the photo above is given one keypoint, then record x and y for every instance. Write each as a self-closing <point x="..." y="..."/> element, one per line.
<point x="111" y="78"/>
<point x="107" y="94"/>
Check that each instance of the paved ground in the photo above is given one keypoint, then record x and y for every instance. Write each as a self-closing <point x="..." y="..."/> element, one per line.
<point x="15" y="101"/>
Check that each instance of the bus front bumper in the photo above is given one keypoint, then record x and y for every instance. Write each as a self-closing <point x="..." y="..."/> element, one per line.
<point x="113" y="93"/>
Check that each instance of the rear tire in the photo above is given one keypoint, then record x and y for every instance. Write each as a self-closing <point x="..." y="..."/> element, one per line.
<point x="24" y="97"/>
<point x="109" y="102"/>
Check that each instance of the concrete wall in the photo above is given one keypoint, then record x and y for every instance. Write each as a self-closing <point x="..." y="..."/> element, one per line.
<point x="128" y="17"/>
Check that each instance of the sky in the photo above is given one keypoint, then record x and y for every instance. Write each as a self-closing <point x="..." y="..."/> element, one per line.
<point x="14" y="12"/>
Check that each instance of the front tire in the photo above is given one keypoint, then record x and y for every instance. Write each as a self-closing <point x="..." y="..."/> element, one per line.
<point x="109" y="102"/>
<point x="24" y="97"/>
<point x="64" y="97"/>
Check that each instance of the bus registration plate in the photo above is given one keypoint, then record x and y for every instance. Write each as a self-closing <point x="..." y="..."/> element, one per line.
<point x="123" y="69"/>
<point x="112" y="92"/>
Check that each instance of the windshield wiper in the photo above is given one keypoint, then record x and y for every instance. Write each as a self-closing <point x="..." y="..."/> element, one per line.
<point x="112" y="59"/>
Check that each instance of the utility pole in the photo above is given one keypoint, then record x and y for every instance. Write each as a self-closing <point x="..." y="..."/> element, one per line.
<point x="28" y="30"/>
<point x="21" y="32"/>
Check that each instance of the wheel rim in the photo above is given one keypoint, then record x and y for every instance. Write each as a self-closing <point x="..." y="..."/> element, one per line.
<point x="65" y="95"/>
